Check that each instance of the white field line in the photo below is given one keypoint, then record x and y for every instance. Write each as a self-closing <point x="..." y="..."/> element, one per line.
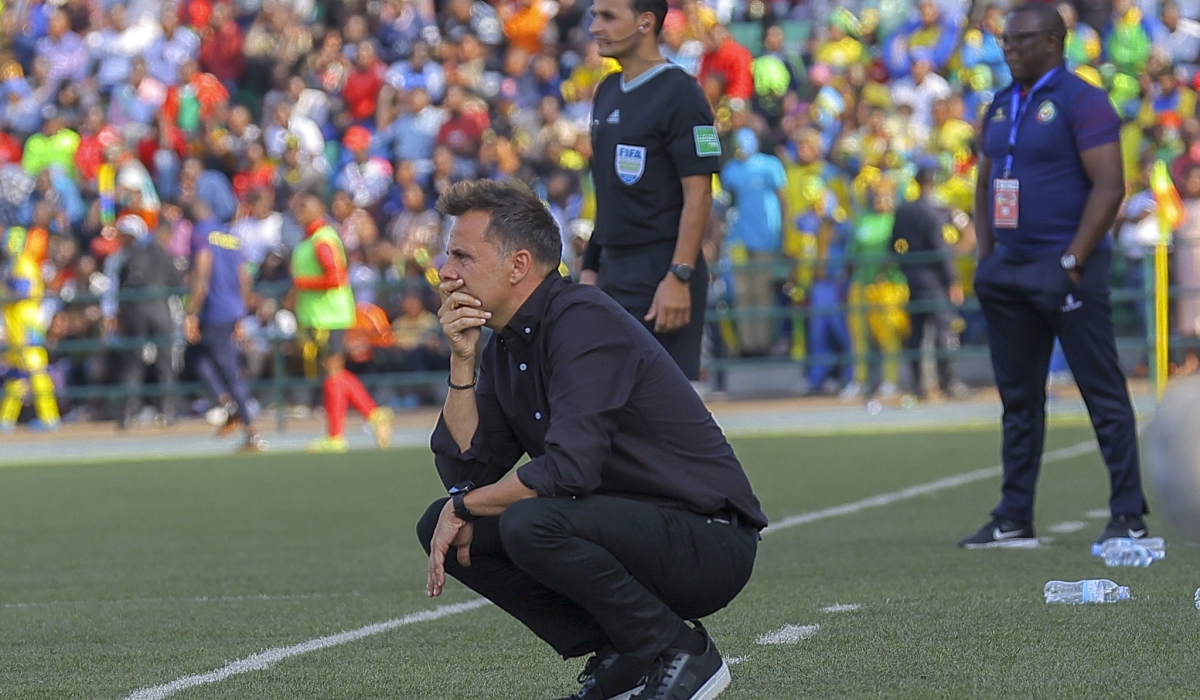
<point x="270" y="657"/>
<point x="1097" y="513"/>
<point x="841" y="607"/>
<point x="1068" y="526"/>
<point x="949" y="482"/>
<point x="266" y="659"/>
<point x="199" y="599"/>
<point x="788" y="634"/>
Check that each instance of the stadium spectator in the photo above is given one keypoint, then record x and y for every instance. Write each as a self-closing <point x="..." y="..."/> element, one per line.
<point x="724" y="56"/>
<point x="756" y="181"/>
<point x="921" y="88"/>
<point x="919" y="239"/>
<point x="143" y="318"/>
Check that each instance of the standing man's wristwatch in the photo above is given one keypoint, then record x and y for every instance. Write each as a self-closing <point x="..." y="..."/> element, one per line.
<point x="460" y="507"/>
<point x="1069" y="263"/>
<point x="682" y="271"/>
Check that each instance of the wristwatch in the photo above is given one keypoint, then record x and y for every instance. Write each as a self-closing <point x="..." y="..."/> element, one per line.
<point x="456" y="497"/>
<point x="682" y="271"/>
<point x="1069" y="263"/>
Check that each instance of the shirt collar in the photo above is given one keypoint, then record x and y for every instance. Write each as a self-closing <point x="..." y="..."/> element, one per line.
<point x="314" y="227"/>
<point x="647" y="76"/>
<point x="524" y="324"/>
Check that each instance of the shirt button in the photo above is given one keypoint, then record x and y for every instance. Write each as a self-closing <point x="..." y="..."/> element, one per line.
<point x="538" y="415"/>
<point x="528" y="330"/>
<point x="524" y="366"/>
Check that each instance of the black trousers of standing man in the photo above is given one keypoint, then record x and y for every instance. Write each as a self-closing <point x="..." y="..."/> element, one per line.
<point x="1027" y="303"/>
<point x="585" y="573"/>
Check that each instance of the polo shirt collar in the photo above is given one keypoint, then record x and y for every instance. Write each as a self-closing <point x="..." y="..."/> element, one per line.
<point x="524" y="324"/>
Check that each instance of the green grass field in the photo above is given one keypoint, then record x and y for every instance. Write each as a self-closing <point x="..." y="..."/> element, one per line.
<point x="118" y="577"/>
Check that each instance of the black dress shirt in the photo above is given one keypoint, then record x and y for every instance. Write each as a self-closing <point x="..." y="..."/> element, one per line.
<point x="578" y="384"/>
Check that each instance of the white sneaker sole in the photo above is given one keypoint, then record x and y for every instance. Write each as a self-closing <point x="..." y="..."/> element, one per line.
<point x="715" y="685"/>
<point x="627" y="695"/>
<point x="1019" y="543"/>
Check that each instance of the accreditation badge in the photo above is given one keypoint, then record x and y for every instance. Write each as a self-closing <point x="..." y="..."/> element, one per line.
<point x="1006" y="202"/>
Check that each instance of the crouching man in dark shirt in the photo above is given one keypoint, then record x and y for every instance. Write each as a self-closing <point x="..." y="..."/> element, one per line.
<point x="632" y="514"/>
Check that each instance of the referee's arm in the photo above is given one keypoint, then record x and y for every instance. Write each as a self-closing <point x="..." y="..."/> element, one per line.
<point x="671" y="308"/>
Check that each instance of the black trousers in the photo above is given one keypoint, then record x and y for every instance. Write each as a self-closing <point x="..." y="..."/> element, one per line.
<point x="585" y="573"/>
<point x="931" y="309"/>
<point x="630" y="275"/>
<point x="1027" y="303"/>
<point x="150" y="321"/>
<point x="221" y="366"/>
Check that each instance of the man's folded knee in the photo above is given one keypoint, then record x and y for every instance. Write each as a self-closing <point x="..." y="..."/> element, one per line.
<point x="428" y="522"/>
<point x="521" y="520"/>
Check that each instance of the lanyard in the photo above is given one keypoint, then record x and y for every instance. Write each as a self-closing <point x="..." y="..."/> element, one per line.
<point x="1018" y="111"/>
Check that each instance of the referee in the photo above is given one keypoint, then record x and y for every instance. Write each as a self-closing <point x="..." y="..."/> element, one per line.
<point x="655" y="152"/>
<point x="1050" y="184"/>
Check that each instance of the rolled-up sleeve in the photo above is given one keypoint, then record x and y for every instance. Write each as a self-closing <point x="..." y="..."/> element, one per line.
<point x="593" y="370"/>
<point x="494" y="448"/>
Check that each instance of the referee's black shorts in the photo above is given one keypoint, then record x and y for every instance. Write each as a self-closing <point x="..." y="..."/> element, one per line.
<point x="631" y="274"/>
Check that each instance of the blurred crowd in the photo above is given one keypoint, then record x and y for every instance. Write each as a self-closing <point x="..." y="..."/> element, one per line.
<point x="827" y="112"/>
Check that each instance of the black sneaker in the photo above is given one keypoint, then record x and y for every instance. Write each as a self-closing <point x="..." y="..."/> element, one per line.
<point x="681" y="675"/>
<point x="610" y="676"/>
<point x="1001" y="533"/>
<point x="1131" y="526"/>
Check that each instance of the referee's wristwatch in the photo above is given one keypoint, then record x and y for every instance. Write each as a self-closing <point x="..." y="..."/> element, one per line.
<point x="457" y="492"/>
<point x="682" y="271"/>
<point x="1069" y="263"/>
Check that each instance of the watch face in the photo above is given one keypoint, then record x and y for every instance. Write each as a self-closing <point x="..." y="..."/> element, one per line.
<point x="683" y="272"/>
<point x="1068" y="262"/>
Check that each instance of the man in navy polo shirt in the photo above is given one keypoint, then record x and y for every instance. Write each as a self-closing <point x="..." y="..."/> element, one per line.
<point x="219" y="286"/>
<point x="1050" y="184"/>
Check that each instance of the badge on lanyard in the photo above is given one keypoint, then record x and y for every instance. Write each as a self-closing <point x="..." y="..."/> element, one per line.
<point x="1006" y="202"/>
<point x="1006" y="191"/>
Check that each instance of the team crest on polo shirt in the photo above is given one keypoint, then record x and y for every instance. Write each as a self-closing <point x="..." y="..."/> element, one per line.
<point x="1046" y="112"/>
<point x="630" y="163"/>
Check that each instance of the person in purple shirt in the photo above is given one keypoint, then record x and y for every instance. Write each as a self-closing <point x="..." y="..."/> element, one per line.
<point x="1050" y="183"/>
<point x="64" y="49"/>
<point x="220" y="284"/>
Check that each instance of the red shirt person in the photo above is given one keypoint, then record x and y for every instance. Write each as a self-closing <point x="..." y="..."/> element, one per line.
<point x="731" y="60"/>
<point x="361" y="92"/>
<point x="221" y="45"/>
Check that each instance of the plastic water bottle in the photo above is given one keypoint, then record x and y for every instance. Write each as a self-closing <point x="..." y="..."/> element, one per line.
<point x="1123" y="551"/>
<point x="1088" y="591"/>
<point x="1153" y="543"/>
<point x="1197" y="598"/>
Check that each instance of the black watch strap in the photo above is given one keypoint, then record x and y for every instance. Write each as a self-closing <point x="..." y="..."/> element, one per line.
<point x="460" y="507"/>
<point x="682" y="271"/>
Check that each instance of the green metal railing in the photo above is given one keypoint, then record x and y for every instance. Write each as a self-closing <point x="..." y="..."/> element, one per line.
<point x="278" y="386"/>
